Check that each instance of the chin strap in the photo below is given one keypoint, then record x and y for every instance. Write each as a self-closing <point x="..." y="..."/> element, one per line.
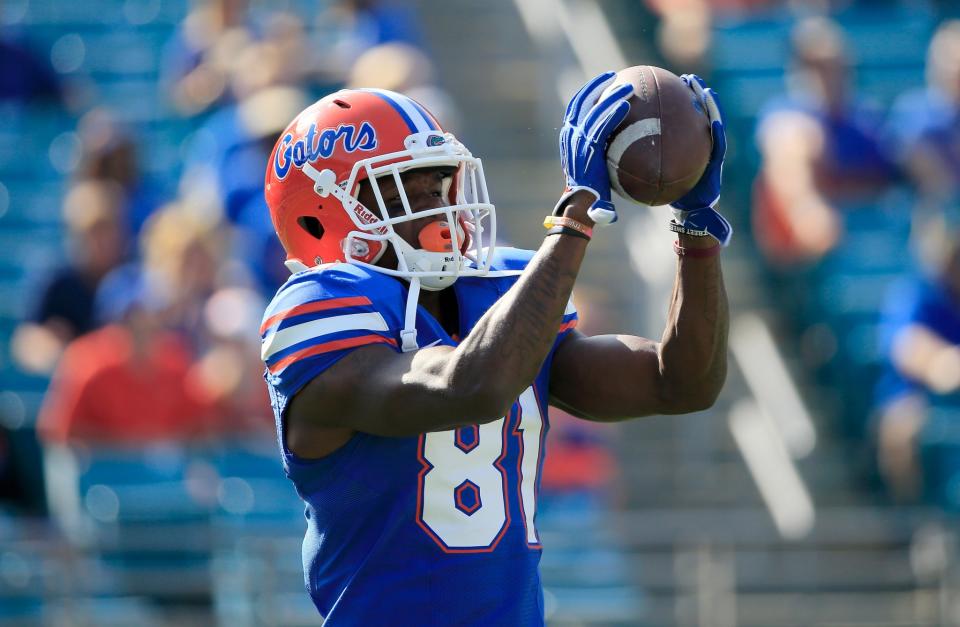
<point x="408" y="335"/>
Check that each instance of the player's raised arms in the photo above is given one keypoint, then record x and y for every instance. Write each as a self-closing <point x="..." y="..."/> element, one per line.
<point x="379" y="391"/>
<point x="613" y="377"/>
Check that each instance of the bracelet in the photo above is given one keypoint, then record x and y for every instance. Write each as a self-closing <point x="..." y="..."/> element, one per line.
<point x="565" y="230"/>
<point x="553" y="221"/>
<point x="713" y="251"/>
<point x="676" y="227"/>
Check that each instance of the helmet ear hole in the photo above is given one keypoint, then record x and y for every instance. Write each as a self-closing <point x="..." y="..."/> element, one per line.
<point x="311" y="225"/>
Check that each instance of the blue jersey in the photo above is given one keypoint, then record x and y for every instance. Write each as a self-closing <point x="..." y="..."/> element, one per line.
<point x="436" y="529"/>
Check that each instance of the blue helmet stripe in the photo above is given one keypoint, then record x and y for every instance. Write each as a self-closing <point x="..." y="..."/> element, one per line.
<point x="414" y="128"/>
<point x="423" y="112"/>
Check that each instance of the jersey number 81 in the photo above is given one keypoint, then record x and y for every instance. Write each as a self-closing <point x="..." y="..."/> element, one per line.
<point x="462" y="489"/>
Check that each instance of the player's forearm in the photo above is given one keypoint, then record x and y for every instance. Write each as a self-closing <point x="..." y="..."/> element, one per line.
<point x="693" y="350"/>
<point x="503" y="353"/>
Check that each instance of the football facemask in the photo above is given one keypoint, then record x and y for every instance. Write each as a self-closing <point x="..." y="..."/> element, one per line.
<point x="435" y="264"/>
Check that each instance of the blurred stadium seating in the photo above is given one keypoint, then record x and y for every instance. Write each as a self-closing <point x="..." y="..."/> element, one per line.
<point x="197" y="535"/>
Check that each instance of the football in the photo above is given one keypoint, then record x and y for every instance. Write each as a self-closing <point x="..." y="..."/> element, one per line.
<point x="660" y="150"/>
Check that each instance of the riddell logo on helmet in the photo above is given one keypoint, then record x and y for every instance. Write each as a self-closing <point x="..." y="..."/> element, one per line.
<point x="314" y="145"/>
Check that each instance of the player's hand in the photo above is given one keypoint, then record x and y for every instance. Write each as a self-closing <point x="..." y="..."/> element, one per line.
<point x="696" y="209"/>
<point x="587" y="126"/>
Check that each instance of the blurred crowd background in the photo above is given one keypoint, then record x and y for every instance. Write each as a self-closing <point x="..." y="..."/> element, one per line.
<point x="139" y="476"/>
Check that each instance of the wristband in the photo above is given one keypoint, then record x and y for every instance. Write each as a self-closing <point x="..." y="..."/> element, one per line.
<point x="554" y="221"/>
<point x="564" y="230"/>
<point x="676" y="227"/>
<point x="713" y="251"/>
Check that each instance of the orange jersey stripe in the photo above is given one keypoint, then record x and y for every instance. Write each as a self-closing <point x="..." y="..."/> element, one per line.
<point x="326" y="347"/>
<point x="567" y="325"/>
<point x="333" y="303"/>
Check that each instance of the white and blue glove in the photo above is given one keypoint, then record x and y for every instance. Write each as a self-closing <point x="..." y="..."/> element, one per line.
<point x="695" y="211"/>
<point x="587" y="126"/>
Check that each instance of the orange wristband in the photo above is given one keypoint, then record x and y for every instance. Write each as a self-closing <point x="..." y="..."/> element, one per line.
<point x="551" y="221"/>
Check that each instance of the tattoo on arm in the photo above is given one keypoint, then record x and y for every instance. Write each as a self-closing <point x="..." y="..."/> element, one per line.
<point x="535" y="314"/>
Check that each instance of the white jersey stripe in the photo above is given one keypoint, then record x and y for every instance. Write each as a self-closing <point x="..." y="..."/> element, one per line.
<point x="285" y="338"/>
<point x="570" y="308"/>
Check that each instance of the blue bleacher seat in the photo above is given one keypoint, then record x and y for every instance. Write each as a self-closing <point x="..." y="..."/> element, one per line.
<point x="885" y="84"/>
<point x="939" y="445"/>
<point x="844" y="294"/>
<point x="21" y="584"/>
<point x="759" y="46"/>
<point x="124" y="53"/>
<point x="254" y="491"/>
<point x="142" y="485"/>
<point x="133" y="100"/>
<point x="32" y="204"/>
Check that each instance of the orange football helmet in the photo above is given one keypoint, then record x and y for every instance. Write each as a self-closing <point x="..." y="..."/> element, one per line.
<point x="355" y="135"/>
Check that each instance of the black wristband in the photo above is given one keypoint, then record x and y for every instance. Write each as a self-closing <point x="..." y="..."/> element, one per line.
<point x="566" y="230"/>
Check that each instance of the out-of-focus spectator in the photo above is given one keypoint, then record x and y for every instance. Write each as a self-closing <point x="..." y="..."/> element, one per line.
<point x="821" y="151"/>
<point x="684" y="31"/>
<point x="26" y="76"/>
<point x="405" y="69"/>
<point x="238" y="58"/>
<point x="266" y="63"/>
<point x="925" y="124"/>
<point x="198" y="61"/>
<point x="234" y="143"/>
<point x="226" y="165"/>
<point x="248" y="132"/>
<point x="230" y="371"/>
<point x="64" y="304"/>
<point x="282" y="56"/>
<point x="368" y="23"/>
<point x="129" y="382"/>
<point x="108" y="152"/>
<point x="182" y="255"/>
<point x="920" y="336"/>
<point x="581" y="458"/>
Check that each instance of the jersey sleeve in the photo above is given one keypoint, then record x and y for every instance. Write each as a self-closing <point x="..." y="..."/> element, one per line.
<point x="316" y="319"/>
<point x="569" y="321"/>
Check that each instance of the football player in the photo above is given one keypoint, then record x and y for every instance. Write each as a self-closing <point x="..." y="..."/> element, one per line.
<point x="410" y="361"/>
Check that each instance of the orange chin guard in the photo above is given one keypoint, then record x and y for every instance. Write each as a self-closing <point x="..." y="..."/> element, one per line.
<point x="435" y="237"/>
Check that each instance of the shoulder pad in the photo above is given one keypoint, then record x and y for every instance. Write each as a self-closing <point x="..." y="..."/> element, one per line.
<point x="338" y="280"/>
<point x="507" y="258"/>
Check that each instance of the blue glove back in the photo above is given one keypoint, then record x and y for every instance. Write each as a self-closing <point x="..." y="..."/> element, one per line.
<point x="695" y="210"/>
<point x="587" y="126"/>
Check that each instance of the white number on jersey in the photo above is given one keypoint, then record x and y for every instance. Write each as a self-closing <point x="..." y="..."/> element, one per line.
<point x="463" y="492"/>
